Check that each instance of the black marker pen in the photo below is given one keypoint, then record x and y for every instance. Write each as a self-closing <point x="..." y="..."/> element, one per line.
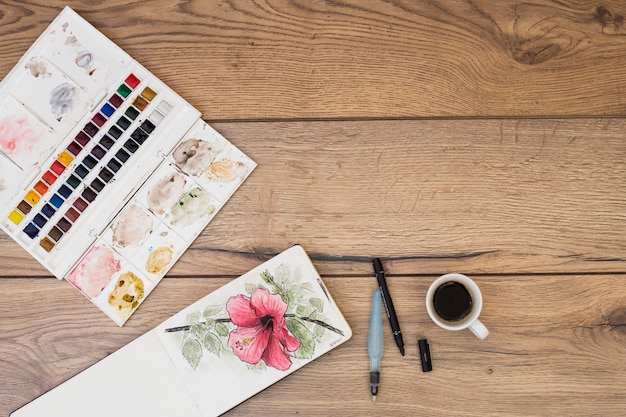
<point x="391" y="312"/>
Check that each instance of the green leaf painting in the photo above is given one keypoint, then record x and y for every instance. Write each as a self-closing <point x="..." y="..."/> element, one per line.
<point x="192" y="351"/>
<point x="304" y="335"/>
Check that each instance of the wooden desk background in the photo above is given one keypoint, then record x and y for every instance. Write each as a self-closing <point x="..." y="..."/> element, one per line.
<point x="440" y="136"/>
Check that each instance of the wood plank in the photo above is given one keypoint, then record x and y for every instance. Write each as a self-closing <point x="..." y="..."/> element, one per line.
<point x="556" y="348"/>
<point x="430" y="196"/>
<point x="353" y="59"/>
<point x="525" y="199"/>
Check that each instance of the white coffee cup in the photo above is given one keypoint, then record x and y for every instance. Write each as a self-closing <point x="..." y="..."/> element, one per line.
<point x="448" y="306"/>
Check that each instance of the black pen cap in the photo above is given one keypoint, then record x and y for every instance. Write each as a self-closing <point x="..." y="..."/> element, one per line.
<point x="424" y="346"/>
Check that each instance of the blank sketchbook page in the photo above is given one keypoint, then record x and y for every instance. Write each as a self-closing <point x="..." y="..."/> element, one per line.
<point x="139" y="376"/>
<point x="214" y="354"/>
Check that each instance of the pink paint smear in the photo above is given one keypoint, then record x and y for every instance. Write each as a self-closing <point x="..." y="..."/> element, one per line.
<point x="95" y="270"/>
<point x="18" y="136"/>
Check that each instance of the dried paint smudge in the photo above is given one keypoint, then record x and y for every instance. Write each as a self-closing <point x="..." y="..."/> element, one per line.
<point x="62" y="99"/>
<point x="164" y="194"/>
<point x="194" y="205"/>
<point x="84" y="60"/>
<point x="133" y="225"/>
<point x="124" y="298"/>
<point x="193" y="155"/>
<point x="18" y="135"/>
<point x="95" y="270"/>
<point x="159" y="259"/>
<point x="2" y="186"/>
<point x="37" y="68"/>
<point x="72" y="41"/>
<point x="225" y="171"/>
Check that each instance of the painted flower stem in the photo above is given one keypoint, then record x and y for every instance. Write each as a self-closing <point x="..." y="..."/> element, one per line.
<point x="310" y="320"/>
<point x="188" y="326"/>
<point x="318" y="322"/>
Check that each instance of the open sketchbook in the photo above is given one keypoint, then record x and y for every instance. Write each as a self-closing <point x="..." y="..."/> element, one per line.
<point x="214" y="354"/>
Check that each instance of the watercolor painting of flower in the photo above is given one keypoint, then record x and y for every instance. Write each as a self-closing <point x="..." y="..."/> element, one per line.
<point x="262" y="332"/>
<point x="269" y="326"/>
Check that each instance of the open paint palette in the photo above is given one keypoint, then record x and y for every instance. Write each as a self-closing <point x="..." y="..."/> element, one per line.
<point x="106" y="174"/>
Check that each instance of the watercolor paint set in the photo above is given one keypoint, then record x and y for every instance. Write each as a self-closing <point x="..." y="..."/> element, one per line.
<point x="214" y="354"/>
<point x="106" y="175"/>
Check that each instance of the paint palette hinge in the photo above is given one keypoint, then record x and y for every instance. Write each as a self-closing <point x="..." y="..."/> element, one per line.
<point x="12" y="162"/>
<point x="97" y="100"/>
<point x="31" y="177"/>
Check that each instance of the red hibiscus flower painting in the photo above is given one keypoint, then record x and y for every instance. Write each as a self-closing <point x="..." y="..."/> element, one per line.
<point x="261" y="332"/>
<point x="262" y="328"/>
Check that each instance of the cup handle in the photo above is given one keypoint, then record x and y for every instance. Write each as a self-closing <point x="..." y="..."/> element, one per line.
<point x="479" y="329"/>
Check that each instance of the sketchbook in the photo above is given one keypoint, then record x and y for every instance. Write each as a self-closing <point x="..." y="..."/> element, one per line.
<point x="214" y="354"/>
<point x="106" y="175"/>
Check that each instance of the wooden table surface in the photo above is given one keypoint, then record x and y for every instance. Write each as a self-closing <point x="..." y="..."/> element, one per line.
<point x="482" y="137"/>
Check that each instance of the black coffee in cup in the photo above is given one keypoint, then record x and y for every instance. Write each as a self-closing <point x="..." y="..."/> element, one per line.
<point x="452" y="301"/>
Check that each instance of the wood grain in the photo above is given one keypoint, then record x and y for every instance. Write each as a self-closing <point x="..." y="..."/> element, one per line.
<point x="430" y="196"/>
<point x="469" y="136"/>
<point x="555" y="348"/>
<point x="281" y="59"/>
